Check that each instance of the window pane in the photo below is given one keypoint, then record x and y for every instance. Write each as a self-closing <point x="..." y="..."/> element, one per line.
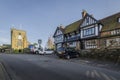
<point x="118" y="19"/>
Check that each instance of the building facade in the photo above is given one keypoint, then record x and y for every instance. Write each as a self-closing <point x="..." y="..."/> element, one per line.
<point x="18" y="39"/>
<point x="72" y="35"/>
<point x="90" y="30"/>
<point x="110" y="33"/>
<point x="90" y="33"/>
<point x="59" y="37"/>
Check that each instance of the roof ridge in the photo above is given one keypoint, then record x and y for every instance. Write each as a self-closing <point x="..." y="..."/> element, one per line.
<point x="73" y="23"/>
<point x="109" y="16"/>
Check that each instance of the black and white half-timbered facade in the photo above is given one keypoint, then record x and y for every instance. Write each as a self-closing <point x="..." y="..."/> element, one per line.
<point x="59" y="37"/>
<point x="90" y="30"/>
<point x="72" y="35"/>
<point x="89" y="33"/>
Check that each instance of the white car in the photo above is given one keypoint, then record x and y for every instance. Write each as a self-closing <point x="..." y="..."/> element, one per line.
<point x="38" y="51"/>
<point x="47" y="51"/>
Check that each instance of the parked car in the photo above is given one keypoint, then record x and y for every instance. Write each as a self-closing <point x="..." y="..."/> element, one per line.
<point x="38" y="51"/>
<point x="48" y="51"/>
<point x="67" y="52"/>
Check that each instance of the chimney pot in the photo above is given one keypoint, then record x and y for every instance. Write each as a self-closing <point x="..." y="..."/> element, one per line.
<point x="84" y="12"/>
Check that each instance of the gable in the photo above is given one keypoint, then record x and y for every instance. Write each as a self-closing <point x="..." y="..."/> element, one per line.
<point x="58" y="32"/>
<point x="88" y="20"/>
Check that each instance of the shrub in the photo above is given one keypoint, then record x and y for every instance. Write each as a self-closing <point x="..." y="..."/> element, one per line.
<point x="26" y="50"/>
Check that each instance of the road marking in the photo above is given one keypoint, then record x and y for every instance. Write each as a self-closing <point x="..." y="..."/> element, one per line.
<point x="106" y="77"/>
<point x="88" y="73"/>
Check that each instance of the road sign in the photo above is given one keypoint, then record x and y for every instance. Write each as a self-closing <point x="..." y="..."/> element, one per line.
<point x="39" y="41"/>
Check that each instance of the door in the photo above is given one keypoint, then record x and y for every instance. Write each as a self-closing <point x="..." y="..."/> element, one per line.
<point x="82" y="44"/>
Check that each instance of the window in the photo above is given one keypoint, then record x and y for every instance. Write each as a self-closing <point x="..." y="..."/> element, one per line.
<point x="72" y="44"/>
<point x="93" y="31"/>
<point x="91" y="44"/>
<point x="119" y="19"/>
<point x="118" y="31"/>
<point x="89" y="31"/>
<point x="100" y="27"/>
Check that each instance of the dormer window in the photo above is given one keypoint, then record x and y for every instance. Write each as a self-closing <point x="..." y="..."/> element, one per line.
<point x="119" y="19"/>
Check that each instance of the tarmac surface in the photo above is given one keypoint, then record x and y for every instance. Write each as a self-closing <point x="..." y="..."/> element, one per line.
<point x="49" y="67"/>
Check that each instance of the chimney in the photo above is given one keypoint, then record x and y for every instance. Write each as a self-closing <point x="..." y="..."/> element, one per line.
<point x="61" y="26"/>
<point x="84" y="12"/>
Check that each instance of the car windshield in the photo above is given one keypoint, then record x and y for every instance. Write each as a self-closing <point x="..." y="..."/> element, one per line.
<point x="70" y="49"/>
<point x="48" y="50"/>
<point x="61" y="49"/>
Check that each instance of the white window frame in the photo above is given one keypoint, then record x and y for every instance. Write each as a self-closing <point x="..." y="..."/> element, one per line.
<point x="119" y="19"/>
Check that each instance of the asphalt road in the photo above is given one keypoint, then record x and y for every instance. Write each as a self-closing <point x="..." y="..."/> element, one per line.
<point x="40" y="67"/>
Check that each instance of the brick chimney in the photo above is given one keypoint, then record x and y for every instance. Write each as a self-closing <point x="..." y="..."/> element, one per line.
<point x="84" y="12"/>
<point x="61" y="26"/>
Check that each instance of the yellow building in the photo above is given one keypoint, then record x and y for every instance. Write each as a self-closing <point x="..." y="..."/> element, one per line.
<point x="18" y="39"/>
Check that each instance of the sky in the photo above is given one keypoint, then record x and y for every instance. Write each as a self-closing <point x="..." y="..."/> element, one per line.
<point x="40" y="18"/>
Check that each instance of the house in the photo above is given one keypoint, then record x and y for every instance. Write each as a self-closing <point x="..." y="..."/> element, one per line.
<point x="59" y="37"/>
<point x="89" y="33"/>
<point x="72" y="35"/>
<point x="90" y="30"/>
<point x="84" y="33"/>
<point x="110" y="33"/>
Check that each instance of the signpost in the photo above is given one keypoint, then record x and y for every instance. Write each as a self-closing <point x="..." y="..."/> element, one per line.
<point x="39" y="42"/>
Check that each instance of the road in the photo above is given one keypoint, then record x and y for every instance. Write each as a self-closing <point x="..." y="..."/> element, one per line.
<point x="40" y="67"/>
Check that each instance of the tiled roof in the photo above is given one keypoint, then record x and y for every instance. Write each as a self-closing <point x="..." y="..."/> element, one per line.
<point x="110" y="22"/>
<point x="72" y="27"/>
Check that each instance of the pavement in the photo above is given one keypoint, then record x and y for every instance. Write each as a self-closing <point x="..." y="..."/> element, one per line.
<point x="41" y="67"/>
<point x="3" y="73"/>
<point x="92" y="62"/>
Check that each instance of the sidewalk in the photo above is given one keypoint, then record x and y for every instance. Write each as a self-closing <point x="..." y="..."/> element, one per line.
<point x="3" y="74"/>
<point x="98" y="63"/>
<point x="92" y="62"/>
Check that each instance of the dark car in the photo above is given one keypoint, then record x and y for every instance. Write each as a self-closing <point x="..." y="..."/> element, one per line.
<point x="67" y="52"/>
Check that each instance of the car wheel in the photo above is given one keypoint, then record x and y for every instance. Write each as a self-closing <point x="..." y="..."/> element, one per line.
<point x="59" y="56"/>
<point x="44" y="52"/>
<point x="36" y="52"/>
<point x="67" y="56"/>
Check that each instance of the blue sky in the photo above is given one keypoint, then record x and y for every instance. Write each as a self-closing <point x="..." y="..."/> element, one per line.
<point x="41" y="17"/>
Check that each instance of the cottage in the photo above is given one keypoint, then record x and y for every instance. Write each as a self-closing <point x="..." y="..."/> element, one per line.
<point x="89" y="33"/>
<point x="110" y="33"/>
<point x="59" y="37"/>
